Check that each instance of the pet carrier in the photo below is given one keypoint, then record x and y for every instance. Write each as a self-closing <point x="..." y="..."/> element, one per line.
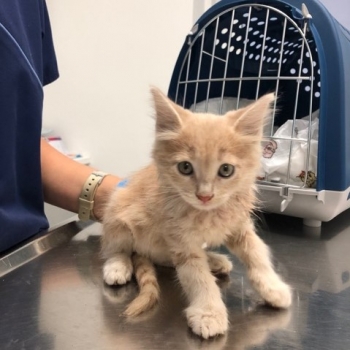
<point x="240" y="50"/>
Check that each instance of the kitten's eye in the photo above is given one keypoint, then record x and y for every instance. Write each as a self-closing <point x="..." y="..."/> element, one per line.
<point x="185" y="168"/>
<point x="226" y="170"/>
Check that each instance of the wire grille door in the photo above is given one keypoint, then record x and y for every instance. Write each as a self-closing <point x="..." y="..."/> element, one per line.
<point x="245" y="52"/>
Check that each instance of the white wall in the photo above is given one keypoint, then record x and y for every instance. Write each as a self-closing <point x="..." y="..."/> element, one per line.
<point x="109" y="52"/>
<point x="340" y="9"/>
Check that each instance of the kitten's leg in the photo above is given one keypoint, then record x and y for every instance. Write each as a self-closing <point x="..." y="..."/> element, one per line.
<point x="256" y="256"/>
<point x="117" y="245"/>
<point x="219" y="263"/>
<point x="206" y="314"/>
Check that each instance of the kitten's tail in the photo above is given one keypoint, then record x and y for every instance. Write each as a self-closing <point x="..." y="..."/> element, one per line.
<point x="146" y="277"/>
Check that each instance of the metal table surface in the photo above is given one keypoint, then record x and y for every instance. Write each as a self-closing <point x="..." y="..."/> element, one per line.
<point x="52" y="296"/>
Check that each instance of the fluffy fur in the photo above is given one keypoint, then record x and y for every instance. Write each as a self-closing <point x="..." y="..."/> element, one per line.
<point x="165" y="217"/>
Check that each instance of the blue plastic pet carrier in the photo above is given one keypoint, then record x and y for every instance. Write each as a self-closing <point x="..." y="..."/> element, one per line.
<point x="240" y="50"/>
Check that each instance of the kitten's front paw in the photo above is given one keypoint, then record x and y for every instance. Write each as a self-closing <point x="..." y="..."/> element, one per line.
<point x="207" y="321"/>
<point x="279" y="296"/>
<point x="276" y="293"/>
<point x="116" y="271"/>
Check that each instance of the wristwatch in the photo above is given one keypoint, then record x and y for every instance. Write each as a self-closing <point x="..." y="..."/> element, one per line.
<point x="87" y="195"/>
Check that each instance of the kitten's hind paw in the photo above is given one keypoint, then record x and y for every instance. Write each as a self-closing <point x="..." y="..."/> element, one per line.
<point x="207" y="322"/>
<point x="117" y="271"/>
<point x="219" y="264"/>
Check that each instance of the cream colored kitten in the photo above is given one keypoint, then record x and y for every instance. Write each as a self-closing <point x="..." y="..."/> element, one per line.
<point x="199" y="191"/>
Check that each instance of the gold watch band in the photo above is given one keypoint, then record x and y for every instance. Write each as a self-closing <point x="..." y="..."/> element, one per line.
<point x="87" y="195"/>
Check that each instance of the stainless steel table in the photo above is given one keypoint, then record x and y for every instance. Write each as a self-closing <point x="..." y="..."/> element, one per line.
<point x="52" y="296"/>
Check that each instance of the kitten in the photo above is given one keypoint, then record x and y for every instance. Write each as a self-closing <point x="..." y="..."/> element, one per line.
<point x="198" y="191"/>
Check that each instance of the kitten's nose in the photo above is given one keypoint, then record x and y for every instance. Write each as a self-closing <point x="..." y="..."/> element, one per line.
<point x="204" y="199"/>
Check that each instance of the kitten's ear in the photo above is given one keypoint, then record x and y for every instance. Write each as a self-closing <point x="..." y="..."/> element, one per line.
<point x="251" y="119"/>
<point x="168" y="113"/>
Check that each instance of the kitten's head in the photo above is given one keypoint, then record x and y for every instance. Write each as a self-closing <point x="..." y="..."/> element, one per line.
<point x="206" y="158"/>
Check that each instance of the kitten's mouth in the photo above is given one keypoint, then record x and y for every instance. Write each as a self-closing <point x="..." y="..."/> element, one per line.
<point x="205" y="206"/>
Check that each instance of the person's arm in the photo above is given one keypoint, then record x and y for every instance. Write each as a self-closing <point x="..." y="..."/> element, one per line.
<point x="63" y="179"/>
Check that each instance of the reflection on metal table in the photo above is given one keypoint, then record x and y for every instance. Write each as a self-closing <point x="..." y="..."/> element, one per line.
<point x="52" y="296"/>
